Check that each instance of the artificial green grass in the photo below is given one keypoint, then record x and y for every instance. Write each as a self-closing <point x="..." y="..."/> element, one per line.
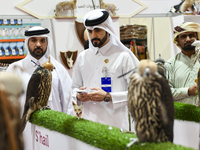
<point x="104" y="136"/>
<point x="187" y="112"/>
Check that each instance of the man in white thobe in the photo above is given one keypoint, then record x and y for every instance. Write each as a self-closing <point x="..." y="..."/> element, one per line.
<point x="39" y="44"/>
<point x="97" y="69"/>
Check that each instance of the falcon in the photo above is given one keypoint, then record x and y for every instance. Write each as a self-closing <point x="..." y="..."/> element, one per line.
<point x="150" y="103"/>
<point x="198" y="87"/>
<point x="196" y="43"/>
<point x="161" y="69"/>
<point x="11" y="88"/>
<point x="38" y="91"/>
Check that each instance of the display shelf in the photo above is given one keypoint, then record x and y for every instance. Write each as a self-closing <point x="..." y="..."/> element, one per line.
<point x="64" y="17"/>
<point x="12" y="57"/>
<point x="129" y="40"/>
<point x="139" y="42"/>
<point x="12" y="40"/>
<point x="114" y="17"/>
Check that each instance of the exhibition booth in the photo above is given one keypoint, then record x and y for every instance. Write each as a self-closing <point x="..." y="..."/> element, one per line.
<point x="51" y="130"/>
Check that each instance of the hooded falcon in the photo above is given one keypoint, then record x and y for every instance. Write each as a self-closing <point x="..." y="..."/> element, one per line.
<point x="150" y="103"/>
<point x="38" y="91"/>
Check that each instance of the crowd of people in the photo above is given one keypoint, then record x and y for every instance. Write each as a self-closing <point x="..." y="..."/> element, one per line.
<point x="95" y="81"/>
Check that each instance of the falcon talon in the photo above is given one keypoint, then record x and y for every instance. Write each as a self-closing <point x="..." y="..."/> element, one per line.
<point x="143" y="144"/>
<point x="124" y="131"/>
<point x="45" y="108"/>
<point x="133" y="141"/>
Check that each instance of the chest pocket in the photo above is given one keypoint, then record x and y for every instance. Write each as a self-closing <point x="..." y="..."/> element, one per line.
<point x="107" y="80"/>
<point x="111" y="73"/>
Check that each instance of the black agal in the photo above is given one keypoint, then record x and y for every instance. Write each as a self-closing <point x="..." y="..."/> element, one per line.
<point x="36" y="32"/>
<point x="97" y="21"/>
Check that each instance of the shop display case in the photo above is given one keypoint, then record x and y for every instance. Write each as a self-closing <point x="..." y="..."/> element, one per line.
<point x="11" y="41"/>
<point x="134" y="37"/>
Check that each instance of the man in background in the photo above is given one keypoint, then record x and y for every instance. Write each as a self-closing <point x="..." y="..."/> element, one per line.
<point x="182" y="69"/>
<point x="39" y="44"/>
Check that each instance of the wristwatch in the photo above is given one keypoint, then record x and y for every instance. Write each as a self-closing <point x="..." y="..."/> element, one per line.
<point x="107" y="97"/>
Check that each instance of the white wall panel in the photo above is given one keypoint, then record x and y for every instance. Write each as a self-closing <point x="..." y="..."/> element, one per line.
<point x="162" y="37"/>
<point x="46" y="7"/>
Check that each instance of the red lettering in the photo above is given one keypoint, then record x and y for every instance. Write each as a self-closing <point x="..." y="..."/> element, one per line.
<point x="47" y="140"/>
<point x="36" y="136"/>
<point x="42" y="139"/>
<point x="37" y="132"/>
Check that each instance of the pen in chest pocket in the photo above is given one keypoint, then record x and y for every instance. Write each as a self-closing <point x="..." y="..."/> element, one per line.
<point x="105" y="71"/>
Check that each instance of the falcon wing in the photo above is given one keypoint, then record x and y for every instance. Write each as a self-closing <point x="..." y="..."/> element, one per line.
<point x="167" y="109"/>
<point x="32" y="88"/>
<point x="133" y="93"/>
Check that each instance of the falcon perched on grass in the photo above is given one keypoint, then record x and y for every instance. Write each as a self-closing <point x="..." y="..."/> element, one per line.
<point x="150" y="103"/>
<point x="38" y="91"/>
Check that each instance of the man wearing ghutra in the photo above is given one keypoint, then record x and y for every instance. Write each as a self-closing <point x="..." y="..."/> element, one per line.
<point x="96" y="71"/>
<point x="181" y="69"/>
<point x="39" y="44"/>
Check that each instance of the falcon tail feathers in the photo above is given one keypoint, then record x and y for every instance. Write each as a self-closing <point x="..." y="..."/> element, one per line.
<point x="23" y="123"/>
<point x="27" y="113"/>
<point x="25" y="119"/>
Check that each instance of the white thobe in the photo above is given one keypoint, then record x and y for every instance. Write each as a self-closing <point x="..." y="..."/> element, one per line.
<point x="182" y="72"/>
<point x="60" y="97"/>
<point x="88" y="72"/>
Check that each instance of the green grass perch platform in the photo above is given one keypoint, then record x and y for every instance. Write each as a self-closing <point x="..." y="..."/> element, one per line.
<point x="104" y="136"/>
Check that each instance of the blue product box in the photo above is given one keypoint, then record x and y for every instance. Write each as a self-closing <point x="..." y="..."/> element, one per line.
<point x="14" y="50"/>
<point x="20" y="48"/>
<point x="6" y="47"/>
<point x="2" y="51"/>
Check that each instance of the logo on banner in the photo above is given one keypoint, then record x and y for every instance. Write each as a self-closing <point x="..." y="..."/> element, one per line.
<point x="68" y="58"/>
<point x="44" y="140"/>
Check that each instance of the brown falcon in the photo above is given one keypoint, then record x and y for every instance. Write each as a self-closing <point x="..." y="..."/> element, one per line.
<point x="10" y="90"/>
<point x="150" y="103"/>
<point x="38" y="91"/>
<point x="198" y="87"/>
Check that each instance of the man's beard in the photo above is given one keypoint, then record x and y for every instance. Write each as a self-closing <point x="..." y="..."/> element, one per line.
<point x="188" y="48"/>
<point x="95" y="44"/>
<point x="37" y="55"/>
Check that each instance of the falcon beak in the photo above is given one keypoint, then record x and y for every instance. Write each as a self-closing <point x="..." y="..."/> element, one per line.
<point x="146" y="72"/>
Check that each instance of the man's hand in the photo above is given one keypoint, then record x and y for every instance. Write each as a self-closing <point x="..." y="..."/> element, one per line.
<point x="83" y="97"/>
<point x="98" y="95"/>
<point x="192" y="90"/>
